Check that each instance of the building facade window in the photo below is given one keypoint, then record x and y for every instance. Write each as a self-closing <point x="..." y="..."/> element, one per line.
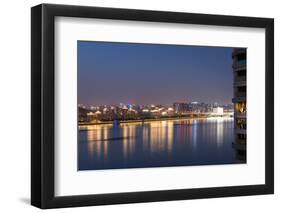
<point x="240" y="107"/>
<point x="241" y="123"/>
<point x="241" y="136"/>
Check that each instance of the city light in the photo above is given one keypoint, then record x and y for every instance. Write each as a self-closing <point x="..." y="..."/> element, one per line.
<point x="134" y="112"/>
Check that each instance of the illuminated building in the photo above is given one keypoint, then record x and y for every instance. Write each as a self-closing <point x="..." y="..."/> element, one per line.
<point x="180" y="107"/>
<point x="239" y="96"/>
<point x="218" y="111"/>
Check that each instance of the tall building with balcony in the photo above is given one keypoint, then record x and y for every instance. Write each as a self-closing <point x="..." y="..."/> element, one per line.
<point x="239" y="98"/>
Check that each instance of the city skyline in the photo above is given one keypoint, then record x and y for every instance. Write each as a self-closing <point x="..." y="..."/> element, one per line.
<point x="142" y="74"/>
<point x="131" y="112"/>
<point x="155" y="104"/>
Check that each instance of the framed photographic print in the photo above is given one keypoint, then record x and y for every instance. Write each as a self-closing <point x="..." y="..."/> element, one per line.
<point x="139" y="106"/>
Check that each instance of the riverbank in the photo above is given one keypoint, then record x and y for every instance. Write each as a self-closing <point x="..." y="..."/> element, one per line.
<point x="148" y="120"/>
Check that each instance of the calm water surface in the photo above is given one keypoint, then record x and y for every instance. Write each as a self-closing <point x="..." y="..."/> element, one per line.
<point x="157" y="144"/>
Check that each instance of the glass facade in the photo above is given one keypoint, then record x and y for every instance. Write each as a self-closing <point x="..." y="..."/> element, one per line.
<point x="240" y="107"/>
<point x="240" y="104"/>
<point x="241" y="136"/>
<point x="241" y="123"/>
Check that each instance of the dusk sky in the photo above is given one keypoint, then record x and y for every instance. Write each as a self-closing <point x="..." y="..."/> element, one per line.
<point x="131" y="73"/>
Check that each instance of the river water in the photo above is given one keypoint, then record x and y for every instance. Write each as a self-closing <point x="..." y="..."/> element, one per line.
<point x="182" y="142"/>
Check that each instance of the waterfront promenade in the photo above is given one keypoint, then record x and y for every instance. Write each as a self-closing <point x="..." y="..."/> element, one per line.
<point x="194" y="116"/>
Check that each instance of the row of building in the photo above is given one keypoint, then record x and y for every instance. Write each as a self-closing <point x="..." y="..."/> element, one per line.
<point x="132" y="111"/>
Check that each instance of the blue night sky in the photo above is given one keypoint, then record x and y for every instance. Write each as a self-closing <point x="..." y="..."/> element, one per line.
<point x="113" y="73"/>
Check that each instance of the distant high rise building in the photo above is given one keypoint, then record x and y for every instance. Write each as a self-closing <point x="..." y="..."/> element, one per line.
<point x="198" y="107"/>
<point x="180" y="107"/>
<point x="239" y="96"/>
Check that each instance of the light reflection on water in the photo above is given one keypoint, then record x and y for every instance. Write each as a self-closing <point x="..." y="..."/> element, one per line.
<point x="157" y="144"/>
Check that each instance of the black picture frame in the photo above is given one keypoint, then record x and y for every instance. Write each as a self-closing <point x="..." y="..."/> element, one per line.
<point x="43" y="110"/>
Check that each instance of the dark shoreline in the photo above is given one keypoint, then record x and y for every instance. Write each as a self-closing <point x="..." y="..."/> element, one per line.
<point x="149" y="120"/>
